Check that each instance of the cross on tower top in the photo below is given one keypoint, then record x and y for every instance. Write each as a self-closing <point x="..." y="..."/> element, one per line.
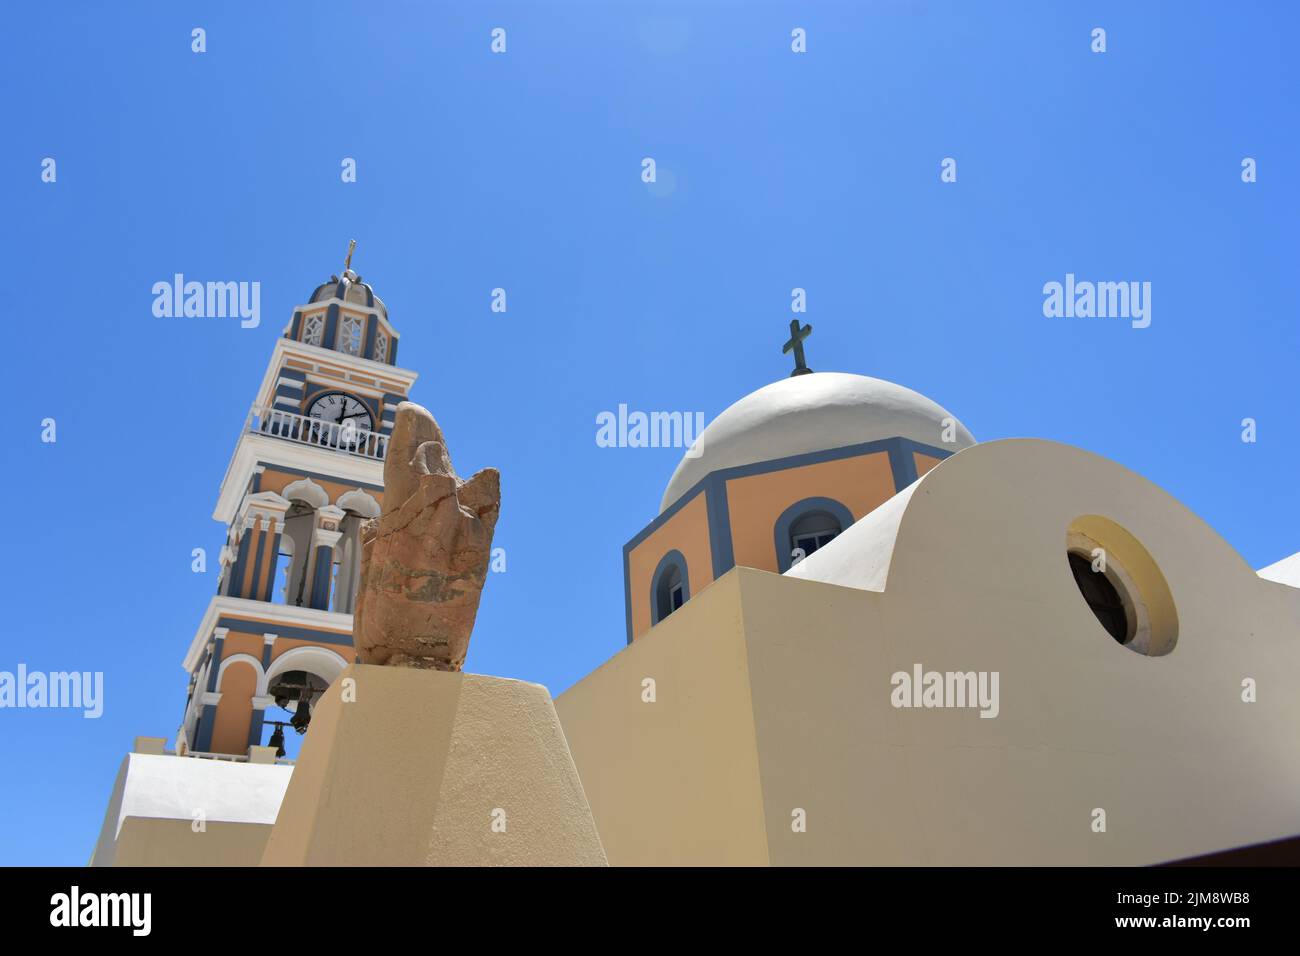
<point x="797" y="335"/>
<point x="347" y="263"/>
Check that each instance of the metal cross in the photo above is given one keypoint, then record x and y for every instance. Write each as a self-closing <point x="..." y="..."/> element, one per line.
<point x="797" y="335"/>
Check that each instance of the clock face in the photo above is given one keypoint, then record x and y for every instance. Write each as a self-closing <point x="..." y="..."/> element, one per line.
<point x="336" y="408"/>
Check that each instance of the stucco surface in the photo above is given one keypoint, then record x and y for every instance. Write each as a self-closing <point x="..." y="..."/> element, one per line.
<point x="417" y="768"/>
<point x="164" y="787"/>
<point x="966" y="571"/>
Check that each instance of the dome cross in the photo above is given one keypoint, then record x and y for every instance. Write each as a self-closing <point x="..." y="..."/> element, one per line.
<point x="797" y="335"/>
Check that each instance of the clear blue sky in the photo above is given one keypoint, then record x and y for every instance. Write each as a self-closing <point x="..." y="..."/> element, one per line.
<point x="523" y="171"/>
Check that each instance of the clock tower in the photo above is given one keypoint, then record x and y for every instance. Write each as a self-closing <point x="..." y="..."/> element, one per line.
<point x="306" y="472"/>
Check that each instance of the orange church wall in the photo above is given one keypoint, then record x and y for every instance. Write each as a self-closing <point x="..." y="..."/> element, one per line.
<point x="755" y="502"/>
<point x="688" y="532"/>
<point x="238" y="642"/>
<point x="924" y="462"/>
<point x="234" y="711"/>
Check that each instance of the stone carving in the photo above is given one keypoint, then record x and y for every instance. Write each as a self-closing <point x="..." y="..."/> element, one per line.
<point x="425" y="558"/>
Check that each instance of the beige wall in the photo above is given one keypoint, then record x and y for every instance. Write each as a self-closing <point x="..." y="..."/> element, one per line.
<point x="978" y="580"/>
<point x="156" y="842"/>
<point x="417" y="767"/>
<point x="676" y="780"/>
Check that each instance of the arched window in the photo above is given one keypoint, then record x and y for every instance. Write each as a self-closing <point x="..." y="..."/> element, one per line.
<point x="813" y="530"/>
<point x="669" y="587"/>
<point x="805" y="527"/>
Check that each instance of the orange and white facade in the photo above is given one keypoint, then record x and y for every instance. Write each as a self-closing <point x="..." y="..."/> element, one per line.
<point x="306" y="472"/>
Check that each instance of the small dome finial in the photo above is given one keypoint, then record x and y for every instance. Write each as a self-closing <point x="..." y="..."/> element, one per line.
<point x="347" y="263"/>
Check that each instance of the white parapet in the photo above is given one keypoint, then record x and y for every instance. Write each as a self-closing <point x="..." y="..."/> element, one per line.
<point x="170" y="810"/>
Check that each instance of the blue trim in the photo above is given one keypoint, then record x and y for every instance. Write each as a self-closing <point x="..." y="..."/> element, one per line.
<point x="320" y="585"/>
<point x="296" y="329"/>
<point x="903" y="465"/>
<point x="266" y="652"/>
<point x="214" y="664"/>
<point x="240" y="626"/>
<point x="368" y="349"/>
<point x="236" y="588"/>
<point x="331" y="326"/>
<point x="268" y="593"/>
<point x="719" y="514"/>
<point x="255" y="728"/>
<point x="203" y="743"/>
<point x="627" y="594"/>
<point x="673" y="559"/>
<point x="254" y="588"/>
<point x="289" y="391"/>
<point x="392" y="349"/>
<point x="781" y="532"/>
<point x="296" y="374"/>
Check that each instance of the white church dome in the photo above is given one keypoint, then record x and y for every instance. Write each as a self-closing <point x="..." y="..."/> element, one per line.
<point x="810" y="413"/>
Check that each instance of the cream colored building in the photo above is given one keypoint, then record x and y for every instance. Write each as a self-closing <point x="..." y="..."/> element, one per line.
<point x="855" y="637"/>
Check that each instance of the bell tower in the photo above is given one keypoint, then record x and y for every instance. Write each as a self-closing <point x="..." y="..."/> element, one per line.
<point x="306" y="472"/>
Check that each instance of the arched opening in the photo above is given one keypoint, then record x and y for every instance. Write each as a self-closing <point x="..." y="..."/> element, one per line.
<point x="669" y="587"/>
<point x="295" y="683"/>
<point x="287" y="719"/>
<point x="283" y="569"/>
<point x="299" y="521"/>
<point x="813" y="530"/>
<point x="358" y="507"/>
<point x="807" y="526"/>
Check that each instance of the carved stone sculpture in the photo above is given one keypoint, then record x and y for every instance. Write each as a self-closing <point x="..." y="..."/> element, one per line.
<point x="424" y="560"/>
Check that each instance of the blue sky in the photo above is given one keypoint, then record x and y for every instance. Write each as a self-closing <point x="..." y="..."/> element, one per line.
<point x="522" y="171"/>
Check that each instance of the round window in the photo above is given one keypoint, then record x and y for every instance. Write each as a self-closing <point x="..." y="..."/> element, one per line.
<point x="1122" y="585"/>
